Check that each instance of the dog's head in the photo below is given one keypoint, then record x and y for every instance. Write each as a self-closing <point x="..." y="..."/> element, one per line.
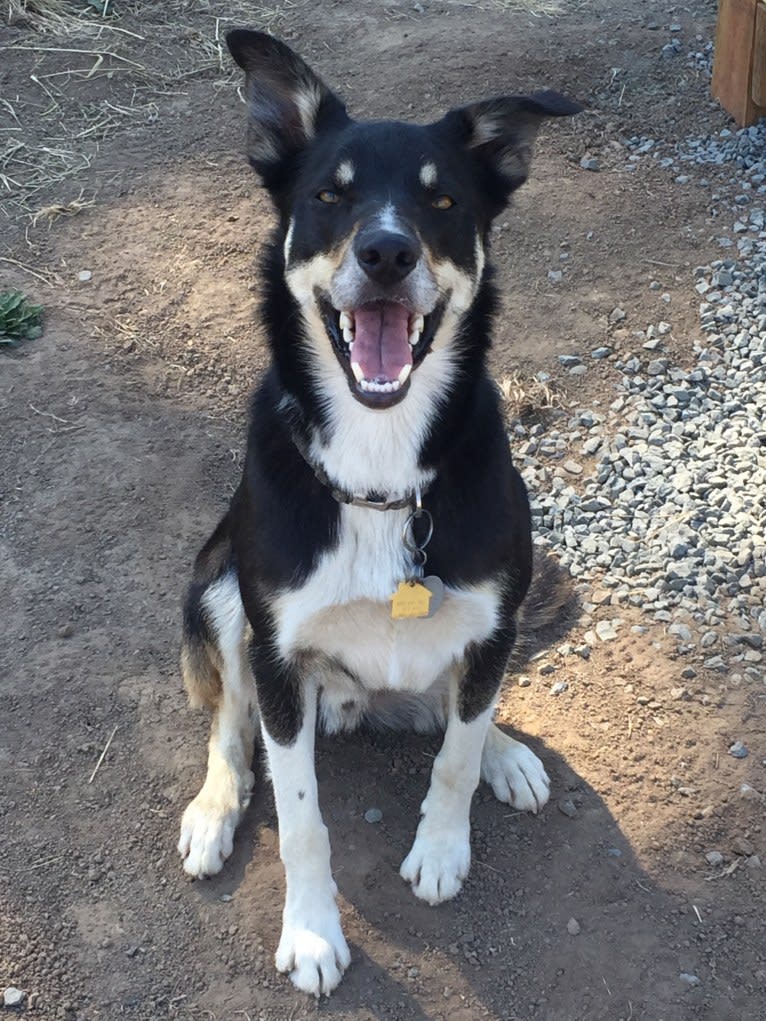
<point x="385" y="225"/>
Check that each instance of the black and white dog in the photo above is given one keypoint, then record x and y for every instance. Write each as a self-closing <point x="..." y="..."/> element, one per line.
<point x="376" y="444"/>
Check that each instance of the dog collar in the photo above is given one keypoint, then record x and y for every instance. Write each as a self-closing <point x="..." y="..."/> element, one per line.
<point x="411" y="500"/>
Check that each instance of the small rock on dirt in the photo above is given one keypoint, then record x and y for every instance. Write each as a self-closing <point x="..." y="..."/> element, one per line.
<point x="714" y="858"/>
<point x="690" y="980"/>
<point x="606" y="630"/>
<point x="13" y="997"/>
<point x="373" y="815"/>
<point x="738" y="750"/>
<point x="743" y="846"/>
<point x="573" y="927"/>
<point x="567" y="807"/>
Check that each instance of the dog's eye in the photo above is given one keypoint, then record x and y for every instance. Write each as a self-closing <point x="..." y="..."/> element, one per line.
<point x="328" y="196"/>
<point x="443" y="202"/>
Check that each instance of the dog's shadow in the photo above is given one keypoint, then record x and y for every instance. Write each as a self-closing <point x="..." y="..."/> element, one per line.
<point x="529" y="877"/>
<point x="556" y="908"/>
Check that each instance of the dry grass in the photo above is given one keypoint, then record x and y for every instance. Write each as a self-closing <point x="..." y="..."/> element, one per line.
<point x="49" y="139"/>
<point x="56" y="210"/>
<point x="537" y="8"/>
<point x="528" y="398"/>
<point x="54" y="16"/>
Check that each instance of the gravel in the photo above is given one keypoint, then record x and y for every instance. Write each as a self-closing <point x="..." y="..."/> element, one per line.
<point x="667" y="512"/>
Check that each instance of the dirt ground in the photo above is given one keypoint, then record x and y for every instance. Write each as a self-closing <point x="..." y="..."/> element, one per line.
<point x="130" y="214"/>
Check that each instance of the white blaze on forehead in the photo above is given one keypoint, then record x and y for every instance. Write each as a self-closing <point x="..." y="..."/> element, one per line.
<point x="428" y="175"/>
<point x="387" y="219"/>
<point x="344" y="175"/>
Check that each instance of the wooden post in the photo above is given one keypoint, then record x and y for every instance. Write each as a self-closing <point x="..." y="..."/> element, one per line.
<point x="739" y="66"/>
<point x="758" y="90"/>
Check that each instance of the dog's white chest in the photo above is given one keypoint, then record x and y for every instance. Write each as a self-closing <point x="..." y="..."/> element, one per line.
<point x="343" y="612"/>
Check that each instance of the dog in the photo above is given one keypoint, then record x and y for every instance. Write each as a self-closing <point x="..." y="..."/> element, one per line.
<point x="374" y="558"/>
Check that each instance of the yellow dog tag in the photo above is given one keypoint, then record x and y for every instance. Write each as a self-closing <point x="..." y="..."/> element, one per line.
<point x="410" y="600"/>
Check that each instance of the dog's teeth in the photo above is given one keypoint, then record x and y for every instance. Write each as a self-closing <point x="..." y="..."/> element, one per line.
<point x="417" y="324"/>
<point x="404" y="375"/>
<point x="356" y="368"/>
<point x="414" y="337"/>
<point x="348" y="335"/>
<point x="376" y="388"/>
<point x="345" y="321"/>
<point x="372" y="386"/>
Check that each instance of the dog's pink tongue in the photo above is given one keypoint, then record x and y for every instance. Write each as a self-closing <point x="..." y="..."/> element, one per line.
<point x="381" y="345"/>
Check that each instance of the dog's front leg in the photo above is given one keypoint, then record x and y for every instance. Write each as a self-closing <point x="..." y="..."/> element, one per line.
<point x="312" y="948"/>
<point x="441" y="854"/>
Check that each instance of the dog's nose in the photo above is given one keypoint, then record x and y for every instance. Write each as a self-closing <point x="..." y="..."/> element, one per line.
<point x="386" y="258"/>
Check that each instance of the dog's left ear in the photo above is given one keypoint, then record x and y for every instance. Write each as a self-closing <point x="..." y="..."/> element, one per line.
<point x="501" y="131"/>
<point x="289" y="104"/>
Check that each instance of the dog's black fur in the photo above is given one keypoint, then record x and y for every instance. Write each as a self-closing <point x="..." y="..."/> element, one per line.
<point x="284" y="520"/>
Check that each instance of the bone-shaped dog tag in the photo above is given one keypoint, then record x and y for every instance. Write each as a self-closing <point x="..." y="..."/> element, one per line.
<point x="436" y="587"/>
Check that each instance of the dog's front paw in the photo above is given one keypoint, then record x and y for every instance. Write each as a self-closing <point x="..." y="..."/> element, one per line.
<point x="207" y="831"/>
<point x="438" y="862"/>
<point x="515" y="774"/>
<point x="313" y="950"/>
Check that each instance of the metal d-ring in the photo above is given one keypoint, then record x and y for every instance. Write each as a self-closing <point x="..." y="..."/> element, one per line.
<point x="408" y="534"/>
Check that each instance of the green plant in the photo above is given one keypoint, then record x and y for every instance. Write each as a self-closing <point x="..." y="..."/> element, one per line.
<point x="18" y="319"/>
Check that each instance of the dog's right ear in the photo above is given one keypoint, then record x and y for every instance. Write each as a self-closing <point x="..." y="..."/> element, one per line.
<point x="288" y="103"/>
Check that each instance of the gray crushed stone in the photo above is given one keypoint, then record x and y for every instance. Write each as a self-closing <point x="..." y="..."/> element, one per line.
<point x="669" y="511"/>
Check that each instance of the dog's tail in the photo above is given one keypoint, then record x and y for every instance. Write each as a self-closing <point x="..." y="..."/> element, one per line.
<point x="545" y="611"/>
<point x="201" y="659"/>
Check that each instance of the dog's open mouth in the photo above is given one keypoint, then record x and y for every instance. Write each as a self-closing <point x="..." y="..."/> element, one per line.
<point x="379" y="345"/>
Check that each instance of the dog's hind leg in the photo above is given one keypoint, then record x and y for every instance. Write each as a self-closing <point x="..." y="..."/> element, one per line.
<point x="207" y="828"/>
<point x="514" y="773"/>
